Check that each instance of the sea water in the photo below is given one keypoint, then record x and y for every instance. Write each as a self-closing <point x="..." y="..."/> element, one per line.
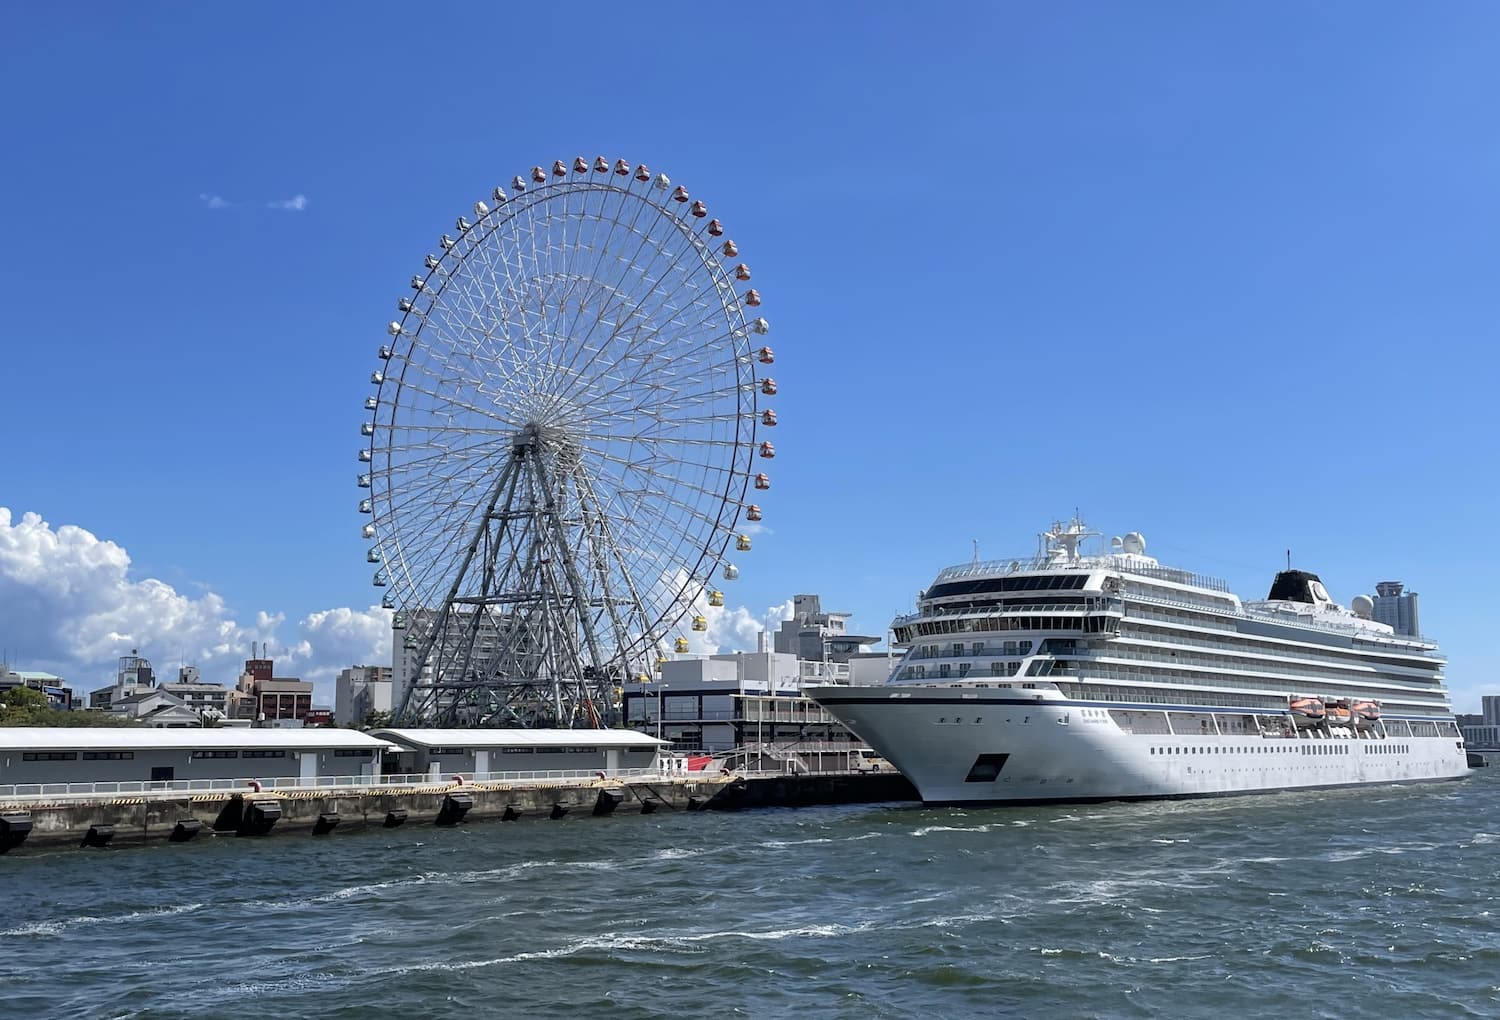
<point x="1379" y="902"/>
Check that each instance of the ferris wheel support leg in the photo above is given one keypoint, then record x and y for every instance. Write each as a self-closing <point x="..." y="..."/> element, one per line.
<point x="575" y="580"/>
<point x="502" y="484"/>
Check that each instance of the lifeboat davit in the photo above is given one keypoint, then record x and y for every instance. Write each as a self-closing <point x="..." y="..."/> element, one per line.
<point x="1307" y="712"/>
<point x="1366" y="713"/>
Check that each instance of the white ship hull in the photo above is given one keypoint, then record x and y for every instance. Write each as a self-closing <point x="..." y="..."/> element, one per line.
<point x="964" y="744"/>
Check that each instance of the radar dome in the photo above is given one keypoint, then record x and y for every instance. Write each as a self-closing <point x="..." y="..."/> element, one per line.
<point x="1134" y="543"/>
<point x="1362" y="605"/>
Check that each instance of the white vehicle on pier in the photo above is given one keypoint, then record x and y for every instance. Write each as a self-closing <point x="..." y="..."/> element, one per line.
<point x="1078" y="677"/>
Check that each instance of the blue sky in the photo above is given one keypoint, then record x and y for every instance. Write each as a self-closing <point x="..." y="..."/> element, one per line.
<point x="1224" y="274"/>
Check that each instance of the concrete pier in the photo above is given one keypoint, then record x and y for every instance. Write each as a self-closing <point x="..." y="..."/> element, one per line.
<point x="152" y="818"/>
<point x="172" y="817"/>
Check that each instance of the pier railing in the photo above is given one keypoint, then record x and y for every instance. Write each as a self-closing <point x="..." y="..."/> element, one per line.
<point x="325" y="784"/>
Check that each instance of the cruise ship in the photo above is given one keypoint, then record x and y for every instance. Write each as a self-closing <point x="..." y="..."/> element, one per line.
<point x="1091" y="672"/>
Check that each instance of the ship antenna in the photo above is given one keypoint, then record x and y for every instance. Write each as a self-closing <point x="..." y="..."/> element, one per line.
<point x="976" y="550"/>
<point x="1289" y="559"/>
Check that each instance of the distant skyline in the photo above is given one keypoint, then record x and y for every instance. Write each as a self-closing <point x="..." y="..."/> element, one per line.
<point x="1221" y="274"/>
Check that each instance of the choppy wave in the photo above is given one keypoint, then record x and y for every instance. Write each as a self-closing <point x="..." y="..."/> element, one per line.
<point x="1186" y="909"/>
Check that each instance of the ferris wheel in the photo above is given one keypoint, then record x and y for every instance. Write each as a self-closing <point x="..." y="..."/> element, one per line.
<point x="563" y="445"/>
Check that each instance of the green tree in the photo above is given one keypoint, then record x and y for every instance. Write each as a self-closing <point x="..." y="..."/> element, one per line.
<point x="20" y="706"/>
<point x="375" y="721"/>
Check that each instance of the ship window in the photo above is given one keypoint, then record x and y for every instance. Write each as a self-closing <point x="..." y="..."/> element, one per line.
<point x="986" y="768"/>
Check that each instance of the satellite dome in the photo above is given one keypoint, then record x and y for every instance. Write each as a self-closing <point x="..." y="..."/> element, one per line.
<point x="1134" y="543"/>
<point x="1362" y="605"/>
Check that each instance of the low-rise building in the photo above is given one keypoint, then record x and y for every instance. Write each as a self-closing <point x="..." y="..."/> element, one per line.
<point x="59" y="695"/>
<point x="155" y="707"/>
<point x="477" y="753"/>
<point x="747" y="702"/>
<point x="210" y="701"/>
<point x="40" y="754"/>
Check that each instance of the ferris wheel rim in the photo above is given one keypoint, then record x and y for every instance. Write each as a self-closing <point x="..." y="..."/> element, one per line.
<point x="737" y="467"/>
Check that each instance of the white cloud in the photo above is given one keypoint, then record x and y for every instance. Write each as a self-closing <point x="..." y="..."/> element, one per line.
<point x="215" y="201"/>
<point x="71" y="607"/>
<point x="296" y="203"/>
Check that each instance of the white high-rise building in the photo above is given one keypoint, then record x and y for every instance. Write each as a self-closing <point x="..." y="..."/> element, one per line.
<point x="403" y="655"/>
<point x="360" y="690"/>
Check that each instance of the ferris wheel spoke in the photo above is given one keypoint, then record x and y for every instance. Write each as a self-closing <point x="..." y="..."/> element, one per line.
<point x="560" y="451"/>
<point x="640" y="206"/>
<point x="623" y="314"/>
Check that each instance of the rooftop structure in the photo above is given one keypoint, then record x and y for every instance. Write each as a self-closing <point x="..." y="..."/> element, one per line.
<point x="1396" y="607"/>
<point x="815" y="636"/>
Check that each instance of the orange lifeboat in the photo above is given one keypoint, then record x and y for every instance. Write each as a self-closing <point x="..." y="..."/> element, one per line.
<point x="1306" y="712"/>
<point x="1337" y="713"/>
<point x="1366" y="713"/>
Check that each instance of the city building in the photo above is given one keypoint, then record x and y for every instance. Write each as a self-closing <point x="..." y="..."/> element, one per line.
<point x="404" y="646"/>
<point x="283" y="698"/>
<point x="1482" y="730"/>
<point x="819" y="640"/>
<point x="58" y="693"/>
<point x="360" y="690"/>
<point x="210" y="701"/>
<point x="1397" y="609"/>
<point x="263" y="697"/>
<point x="133" y="674"/>
<point x="46" y="754"/>
<point x="749" y="703"/>
<point x="156" y="708"/>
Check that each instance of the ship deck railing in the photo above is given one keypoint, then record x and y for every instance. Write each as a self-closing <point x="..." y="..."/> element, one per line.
<point x="1030" y="564"/>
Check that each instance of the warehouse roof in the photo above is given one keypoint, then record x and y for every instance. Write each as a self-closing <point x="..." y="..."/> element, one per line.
<point x="521" y="738"/>
<point x="122" y="738"/>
